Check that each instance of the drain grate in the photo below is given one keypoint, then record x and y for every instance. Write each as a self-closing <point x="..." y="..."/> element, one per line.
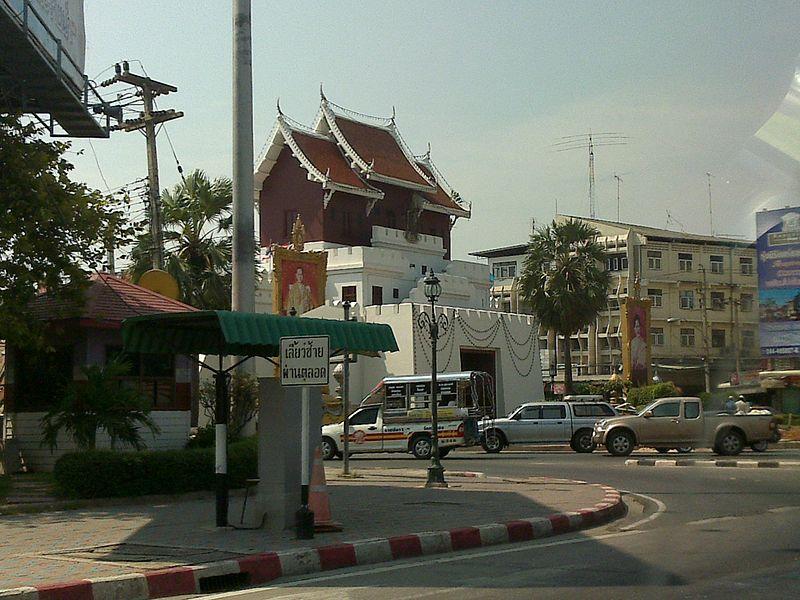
<point x="428" y="503"/>
<point x="144" y="553"/>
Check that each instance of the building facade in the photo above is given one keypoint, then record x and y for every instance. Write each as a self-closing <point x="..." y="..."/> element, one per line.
<point x="689" y="278"/>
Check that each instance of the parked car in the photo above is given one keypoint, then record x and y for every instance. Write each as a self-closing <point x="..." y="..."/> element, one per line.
<point x="681" y="423"/>
<point x="546" y="423"/>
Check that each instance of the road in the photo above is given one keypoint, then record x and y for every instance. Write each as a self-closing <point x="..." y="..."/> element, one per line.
<point x="719" y="532"/>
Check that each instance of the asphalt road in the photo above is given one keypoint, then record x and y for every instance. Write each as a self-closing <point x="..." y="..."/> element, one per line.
<point x="705" y="533"/>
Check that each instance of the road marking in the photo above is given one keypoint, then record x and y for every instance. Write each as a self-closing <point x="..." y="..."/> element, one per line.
<point x="712" y="520"/>
<point x="661" y="508"/>
<point x="419" y="563"/>
<point x="783" y="509"/>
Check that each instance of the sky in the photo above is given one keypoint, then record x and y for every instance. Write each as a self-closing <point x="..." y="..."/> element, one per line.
<point x="696" y="86"/>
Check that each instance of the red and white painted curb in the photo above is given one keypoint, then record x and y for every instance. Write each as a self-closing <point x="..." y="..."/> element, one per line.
<point x="263" y="568"/>
<point x="691" y="462"/>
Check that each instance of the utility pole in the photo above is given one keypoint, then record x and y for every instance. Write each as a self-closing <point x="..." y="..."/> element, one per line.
<point x="243" y="259"/>
<point x="346" y="400"/>
<point x="706" y="351"/>
<point x="147" y="120"/>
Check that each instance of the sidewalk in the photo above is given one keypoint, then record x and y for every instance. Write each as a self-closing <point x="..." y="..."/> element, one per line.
<point x="55" y="547"/>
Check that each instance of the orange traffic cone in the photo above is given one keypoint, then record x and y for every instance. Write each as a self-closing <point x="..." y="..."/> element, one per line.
<point x="318" y="497"/>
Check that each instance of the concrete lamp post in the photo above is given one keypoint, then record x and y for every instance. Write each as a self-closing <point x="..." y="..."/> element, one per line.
<point x="435" y="328"/>
<point x="553" y="372"/>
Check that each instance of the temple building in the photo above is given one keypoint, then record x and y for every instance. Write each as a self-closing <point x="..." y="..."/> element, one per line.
<point x="384" y="217"/>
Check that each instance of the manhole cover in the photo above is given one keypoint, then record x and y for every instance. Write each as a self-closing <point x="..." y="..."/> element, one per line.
<point x="145" y="553"/>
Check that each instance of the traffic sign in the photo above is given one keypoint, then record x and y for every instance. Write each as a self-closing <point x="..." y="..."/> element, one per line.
<point x="305" y="360"/>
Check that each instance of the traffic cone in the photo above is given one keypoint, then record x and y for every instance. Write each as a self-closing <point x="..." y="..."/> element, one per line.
<point x="318" y="497"/>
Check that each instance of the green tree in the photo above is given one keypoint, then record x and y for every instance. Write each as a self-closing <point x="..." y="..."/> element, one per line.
<point x="52" y="230"/>
<point x="564" y="280"/>
<point x="100" y="402"/>
<point x="197" y="240"/>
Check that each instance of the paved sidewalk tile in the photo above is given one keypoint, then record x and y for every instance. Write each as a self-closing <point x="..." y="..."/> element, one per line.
<point x="59" y="546"/>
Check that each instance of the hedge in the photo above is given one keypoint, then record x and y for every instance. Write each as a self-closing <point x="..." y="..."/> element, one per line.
<point x="646" y="394"/>
<point x="110" y="473"/>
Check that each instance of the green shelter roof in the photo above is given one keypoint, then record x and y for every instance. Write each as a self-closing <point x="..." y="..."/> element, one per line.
<point x="246" y="334"/>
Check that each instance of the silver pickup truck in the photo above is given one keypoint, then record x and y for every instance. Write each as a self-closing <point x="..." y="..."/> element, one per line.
<point x="681" y="423"/>
<point x="546" y="423"/>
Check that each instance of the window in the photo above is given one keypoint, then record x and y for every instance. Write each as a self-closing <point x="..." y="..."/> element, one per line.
<point x="592" y="410"/>
<point x="717" y="338"/>
<point x="289" y="218"/>
<point x="684" y="261"/>
<point x="691" y="410"/>
<point x="656" y="296"/>
<point x="349" y="293"/>
<point x="424" y="269"/>
<point x="554" y="412"/>
<point x="504" y="270"/>
<point x="529" y="413"/>
<point x="717" y="300"/>
<point x="377" y="295"/>
<point x="746" y="302"/>
<point x="717" y="265"/>
<point x="687" y="337"/>
<point x="746" y="265"/>
<point x="687" y="299"/>
<point x="366" y="416"/>
<point x="748" y="340"/>
<point x="657" y="336"/>
<point x="617" y="262"/>
<point x="654" y="260"/>
<point x="395" y="293"/>
<point x="668" y="409"/>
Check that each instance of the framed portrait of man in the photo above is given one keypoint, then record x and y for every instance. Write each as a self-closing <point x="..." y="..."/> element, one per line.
<point x="636" y="340"/>
<point x="298" y="280"/>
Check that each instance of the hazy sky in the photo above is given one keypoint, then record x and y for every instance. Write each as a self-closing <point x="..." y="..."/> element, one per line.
<point x="491" y="86"/>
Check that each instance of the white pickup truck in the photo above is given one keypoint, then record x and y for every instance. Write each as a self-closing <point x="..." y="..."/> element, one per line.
<point x="546" y="423"/>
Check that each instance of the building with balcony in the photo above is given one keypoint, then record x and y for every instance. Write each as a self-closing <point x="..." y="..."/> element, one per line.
<point x="684" y="275"/>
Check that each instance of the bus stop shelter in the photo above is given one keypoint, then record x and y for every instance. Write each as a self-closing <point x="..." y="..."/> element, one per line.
<point x="244" y="336"/>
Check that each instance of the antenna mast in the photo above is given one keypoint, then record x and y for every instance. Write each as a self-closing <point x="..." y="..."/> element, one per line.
<point x="710" y="214"/>
<point x="619" y="180"/>
<point x="590" y="141"/>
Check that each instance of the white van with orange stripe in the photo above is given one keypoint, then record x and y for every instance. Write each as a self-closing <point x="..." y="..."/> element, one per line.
<point x="370" y="432"/>
<point x="396" y="416"/>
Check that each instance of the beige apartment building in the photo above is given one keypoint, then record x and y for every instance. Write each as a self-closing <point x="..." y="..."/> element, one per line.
<point x="681" y="273"/>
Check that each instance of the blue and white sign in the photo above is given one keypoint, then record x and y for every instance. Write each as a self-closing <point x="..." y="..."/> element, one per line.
<point x="778" y="248"/>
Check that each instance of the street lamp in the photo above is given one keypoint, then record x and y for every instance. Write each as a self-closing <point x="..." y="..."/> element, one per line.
<point x="435" y="328"/>
<point x="553" y="372"/>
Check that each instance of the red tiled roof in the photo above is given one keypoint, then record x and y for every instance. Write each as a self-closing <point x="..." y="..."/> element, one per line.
<point x="440" y="198"/>
<point x="108" y="298"/>
<point x="378" y="144"/>
<point x="326" y="157"/>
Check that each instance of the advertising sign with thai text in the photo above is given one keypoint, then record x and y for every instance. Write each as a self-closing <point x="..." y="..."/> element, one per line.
<point x="778" y="250"/>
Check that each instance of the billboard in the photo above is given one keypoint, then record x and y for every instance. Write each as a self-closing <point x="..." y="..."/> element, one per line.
<point x="778" y="250"/>
<point x="636" y="340"/>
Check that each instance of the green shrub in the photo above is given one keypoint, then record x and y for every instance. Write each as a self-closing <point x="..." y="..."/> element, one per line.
<point x="110" y="473"/>
<point x="639" y="396"/>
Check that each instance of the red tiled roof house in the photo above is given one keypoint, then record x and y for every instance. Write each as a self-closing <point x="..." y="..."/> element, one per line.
<point x="90" y="334"/>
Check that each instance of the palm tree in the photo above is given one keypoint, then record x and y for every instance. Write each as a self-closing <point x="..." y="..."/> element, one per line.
<point x="197" y="240"/>
<point x="564" y="280"/>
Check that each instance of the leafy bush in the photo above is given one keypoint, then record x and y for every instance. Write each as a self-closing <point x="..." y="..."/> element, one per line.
<point x="639" y="396"/>
<point x="109" y="473"/>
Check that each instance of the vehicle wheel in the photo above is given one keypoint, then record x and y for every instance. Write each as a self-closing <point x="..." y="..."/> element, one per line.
<point x="329" y="450"/>
<point x="619" y="443"/>
<point x="730" y="443"/>
<point x="684" y="449"/>
<point x="444" y="452"/>
<point x="493" y="442"/>
<point x="421" y="447"/>
<point x="760" y="446"/>
<point x="662" y="450"/>
<point x="582" y="442"/>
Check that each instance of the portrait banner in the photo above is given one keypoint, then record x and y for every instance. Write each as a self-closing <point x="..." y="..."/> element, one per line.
<point x="298" y="280"/>
<point x="636" y="340"/>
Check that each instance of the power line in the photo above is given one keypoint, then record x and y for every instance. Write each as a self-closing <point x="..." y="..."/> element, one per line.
<point x="97" y="162"/>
